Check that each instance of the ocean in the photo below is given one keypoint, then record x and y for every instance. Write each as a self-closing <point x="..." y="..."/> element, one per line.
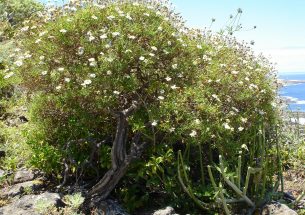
<point x="294" y="91"/>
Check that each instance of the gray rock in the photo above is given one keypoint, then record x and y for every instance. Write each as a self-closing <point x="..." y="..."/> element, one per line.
<point x="276" y="208"/>
<point x="23" y="175"/>
<point x="20" y="188"/>
<point x="27" y="204"/>
<point x="108" y="207"/>
<point x="166" y="211"/>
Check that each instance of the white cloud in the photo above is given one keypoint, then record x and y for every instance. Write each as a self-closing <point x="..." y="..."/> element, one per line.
<point x="288" y="59"/>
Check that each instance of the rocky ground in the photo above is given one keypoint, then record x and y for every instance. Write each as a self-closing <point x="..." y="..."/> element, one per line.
<point x="28" y="189"/>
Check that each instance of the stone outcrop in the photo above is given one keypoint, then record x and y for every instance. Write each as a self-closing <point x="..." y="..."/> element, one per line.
<point x="27" y="204"/>
<point x="276" y="208"/>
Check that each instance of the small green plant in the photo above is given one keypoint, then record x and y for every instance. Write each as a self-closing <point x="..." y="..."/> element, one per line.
<point x="44" y="206"/>
<point x="74" y="201"/>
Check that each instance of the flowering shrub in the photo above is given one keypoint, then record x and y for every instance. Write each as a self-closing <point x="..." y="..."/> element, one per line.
<point x="84" y="63"/>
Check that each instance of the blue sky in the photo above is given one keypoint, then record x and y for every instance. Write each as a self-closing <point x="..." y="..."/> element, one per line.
<point x="280" y="31"/>
<point x="280" y="25"/>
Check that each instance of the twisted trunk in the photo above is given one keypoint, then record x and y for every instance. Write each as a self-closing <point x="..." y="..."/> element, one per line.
<point x="120" y="160"/>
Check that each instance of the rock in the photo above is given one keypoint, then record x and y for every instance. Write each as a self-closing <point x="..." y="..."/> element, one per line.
<point x="20" y="188"/>
<point x="23" y="175"/>
<point x="166" y="211"/>
<point x="276" y="208"/>
<point x="108" y="206"/>
<point x="27" y="205"/>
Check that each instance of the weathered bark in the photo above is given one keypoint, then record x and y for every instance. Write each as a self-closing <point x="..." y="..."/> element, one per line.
<point x="120" y="160"/>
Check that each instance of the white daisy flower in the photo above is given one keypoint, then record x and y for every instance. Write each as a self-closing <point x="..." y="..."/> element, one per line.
<point x="91" y="38"/>
<point x="111" y="17"/>
<point x="8" y="75"/>
<point x="67" y="80"/>
<point x="174" y="87"/>
<point x="154" y="48"/>
<point x="26" y="28"/>
<point x="116" y="92"/>
<point x="161" y="97"/>
<point x="193" y="133"/>
<point x="44" y="72"/>
<point x="18" y="63"/>
<point x="109" y="59"/>
<point x="172" y="129"/>
<point x="91" y="59"/>
<point x="86" y="82"/>
<point x="154" y="123"/>
<point x="42" y="33"/>
<point x="141" y="58"/>
<point x="92" y="75"/>
<point x="244" y="119"/>
<point x="109" y="72"/>
<point x="168" y="78"/>
<point x="131" y="37"/>
<point x="215" y="96"/>
<point x="227" y="126"/>
<point x="115" y="34"/>
<point x="94" y="17"/>
<point x="93" y="64"/>
<point x="63" y="31"/>
<point x="197" y="121"/>
<point x="128" y="16"/>
<point x="103" y="36"/>
<point x="58" y="87"/>
<point x="175" y="66"/>
<point x="165" y="51"/>
<point x="60" y="69"/>
<point x="80" y="50"/>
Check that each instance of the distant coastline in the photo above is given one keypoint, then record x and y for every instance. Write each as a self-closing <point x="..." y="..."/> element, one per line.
<point x="288" y="82"/>
<point x="292" y="90"/>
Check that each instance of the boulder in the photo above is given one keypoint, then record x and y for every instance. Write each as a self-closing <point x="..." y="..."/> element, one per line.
<point x="26" y="205"/>
<point x="276" y="208"/>
<point x="17" y="189"/>
<point x="166" y="211"/>
<point x="23" y="175"/>
<point x="108" y="206"/>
